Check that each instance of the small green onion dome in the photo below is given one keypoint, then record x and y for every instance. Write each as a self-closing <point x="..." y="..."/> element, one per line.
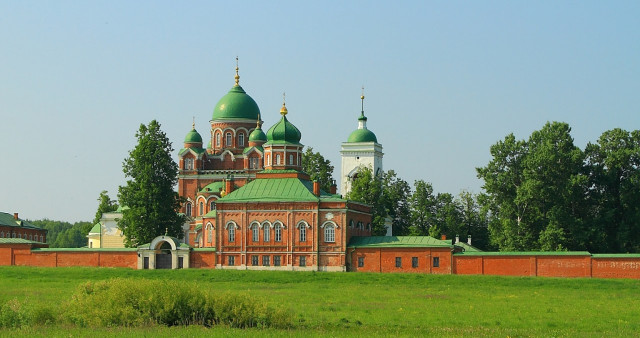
<point x="284" y="131"/>
<point x="237" y="104"/>
<point x="362" y="135"/>
<point x="193" y="137"/>
<point x="257" y="135"/>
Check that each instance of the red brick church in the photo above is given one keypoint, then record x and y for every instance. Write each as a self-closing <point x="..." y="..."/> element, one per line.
<point x="248" y="198"/>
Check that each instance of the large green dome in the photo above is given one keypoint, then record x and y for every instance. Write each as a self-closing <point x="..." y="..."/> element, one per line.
<point x="284" y="131"/>
<point x="362" y="135"/>
<point x="193" y="137"/>
<point x="236" y="105"/>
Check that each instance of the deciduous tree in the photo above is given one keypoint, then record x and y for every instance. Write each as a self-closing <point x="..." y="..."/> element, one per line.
<point x="319" y="168"/>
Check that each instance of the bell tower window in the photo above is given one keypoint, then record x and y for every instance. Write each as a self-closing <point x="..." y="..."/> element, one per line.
<point x="217" y="139"/>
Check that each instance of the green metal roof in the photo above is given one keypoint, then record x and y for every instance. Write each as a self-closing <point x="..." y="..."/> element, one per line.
<point x="17" y="241"/>
<point x="525" y="253"/>
<point x="214" y="187"/>
<point x="257" y="135"/>
<point x="396" y="242"/>
<point x="198" y="227"/>
<point x="247" y="149"/>
<point x="283" y="132"/>
<point x="628" y="255"/>
<point x="8" y="220"/>
<point x="196" y="150"/>
<point x="467" y="247"/>
<point x="362" y="135"/>
<point x="210" y="214"/>
<point x="236" y="105"/>
<point x="273" y="189"/>
<point x="85" y="249"/>
<point x="193" y="137"/>
<point x="95" y="229"/>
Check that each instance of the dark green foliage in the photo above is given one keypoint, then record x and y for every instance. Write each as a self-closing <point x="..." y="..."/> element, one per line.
<point x="319" y="168"/>
<point x="105" y="205"/>
<point x="64" y="234"/>
<point x="614" y="182"/>
<point x="547" y="194"/>
<point x="368" y="188"/>
<point x="395" y="194"/>
<point x="152" y="203"/>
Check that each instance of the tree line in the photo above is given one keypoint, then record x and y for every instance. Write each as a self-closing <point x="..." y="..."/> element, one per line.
<point x="543" y="193"/>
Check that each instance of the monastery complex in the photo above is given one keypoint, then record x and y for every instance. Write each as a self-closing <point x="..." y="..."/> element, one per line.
<point x="249" y="205"/>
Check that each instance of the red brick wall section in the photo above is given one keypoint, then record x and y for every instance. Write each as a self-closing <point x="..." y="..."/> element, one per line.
<point x="5" y="256"/>
<point x="616" y="267"/>
<point x="385" y="259"/>
<point x="203" y="260"/>
<point x="116" y="259"/>
<point x="467" y="265"/>
<point x="564" y="266"/>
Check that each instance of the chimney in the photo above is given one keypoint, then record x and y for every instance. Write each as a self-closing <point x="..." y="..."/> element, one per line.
<point x="15" y="216"/>
<point x="228" y="185"/>
<point x="457" y="239"/>
<point x="333" y="188"/>
<point x="316" y="188"/>
<point x="469" y="239"/>
<point x="443" y="237"/>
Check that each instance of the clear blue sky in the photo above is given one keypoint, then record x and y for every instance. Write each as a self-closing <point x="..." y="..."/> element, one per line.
<point x="444" y="80"/>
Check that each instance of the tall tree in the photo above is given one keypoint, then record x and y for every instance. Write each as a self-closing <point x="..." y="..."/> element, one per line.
<point x="396" y="193"/>
<point x="105" y="205"/>
<point x="423" y="209"/>
<point x="319" y="168"/>
<point x="614" y="179"/>
<point x="535" y="189"/>
<point x="368" y="188"/>
<point x="149" y="195"/>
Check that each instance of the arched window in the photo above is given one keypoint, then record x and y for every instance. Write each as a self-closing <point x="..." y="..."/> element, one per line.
<point x="359" y="227"/>
<point x="188" y="209"/>
<point x="303" y="232"/>
<point x="30" y="237"/>
<point x="266" y="236"/>
<point x="188" y="164"/>
<point x="228" y="139"/>
<point x="232" y="233"/>
<point x="255" y="231"/>
<point x="241" y="139"/>
<point x="42" y="238"/>
<point x="209" y="232"/>
<point x="277" y="159"/>
<point x="212" y="205"/>
<point x="330" y="233"/>
<point x="351" y="224"/>
<point x="217" y="139"/>
<point x="201" y="208"/>
<point x="13" y="235"/>
<point x="291" y="159"/>
<point x="2" y="234"/>
<point x="278" y="232"/>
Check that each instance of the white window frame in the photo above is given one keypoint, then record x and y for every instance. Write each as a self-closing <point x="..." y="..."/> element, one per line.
<point x="277" y="232"/>
<point x="228" y="138"/>
<point x="241" y="139"/>
<point x="330" y="233"/>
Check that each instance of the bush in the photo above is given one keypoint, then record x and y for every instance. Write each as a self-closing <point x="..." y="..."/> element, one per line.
<point x="12" y="314"/>
<point x="135" y="302"/>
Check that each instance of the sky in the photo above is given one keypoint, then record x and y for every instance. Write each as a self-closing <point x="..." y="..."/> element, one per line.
<point x="444" y="80"/>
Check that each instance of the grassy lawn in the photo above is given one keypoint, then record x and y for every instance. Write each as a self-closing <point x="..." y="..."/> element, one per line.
<point x="366" y="304"/>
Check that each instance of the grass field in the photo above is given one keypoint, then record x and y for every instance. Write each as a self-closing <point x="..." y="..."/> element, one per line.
<point x="358" y="304"/>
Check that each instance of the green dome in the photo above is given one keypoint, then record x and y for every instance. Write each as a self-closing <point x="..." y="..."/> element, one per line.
<point x="236" y="105"/>
<point x="284" y="132"/>
<point x="193" y="137"/>
<point x="257" y="135"/>
<point x="362" y="135"/>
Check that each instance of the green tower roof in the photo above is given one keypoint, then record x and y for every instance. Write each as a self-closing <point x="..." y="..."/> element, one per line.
<point x="362" y="135"/>
<point x="283" y="131"/>
<point x="193" y="137"/>
<point x="236" y="105"/>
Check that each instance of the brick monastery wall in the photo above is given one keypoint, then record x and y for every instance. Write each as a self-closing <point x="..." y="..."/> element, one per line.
<point x="374" y="259"/>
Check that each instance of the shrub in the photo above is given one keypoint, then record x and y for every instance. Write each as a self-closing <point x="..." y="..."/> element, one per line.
<point x="12" y="314"/>
<point x="136" y="302"/>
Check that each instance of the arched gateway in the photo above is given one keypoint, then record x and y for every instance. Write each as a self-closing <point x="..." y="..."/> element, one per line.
<point x="164" y="252"/>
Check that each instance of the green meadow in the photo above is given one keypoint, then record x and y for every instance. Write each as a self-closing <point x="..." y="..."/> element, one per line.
<point x="49" y="301"/>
